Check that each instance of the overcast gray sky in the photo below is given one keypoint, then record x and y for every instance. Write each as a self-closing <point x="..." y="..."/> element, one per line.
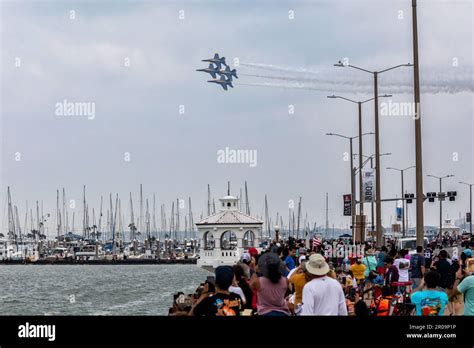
<point x="137" y="107"/>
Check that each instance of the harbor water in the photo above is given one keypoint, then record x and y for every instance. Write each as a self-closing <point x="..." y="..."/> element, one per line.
<point x="94" y="289"/>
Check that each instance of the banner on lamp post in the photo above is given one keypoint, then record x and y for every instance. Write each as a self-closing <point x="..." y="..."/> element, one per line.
<point x="347" y="205"/>
<point x="368" y="183"/>
<point x="399" y="210"/>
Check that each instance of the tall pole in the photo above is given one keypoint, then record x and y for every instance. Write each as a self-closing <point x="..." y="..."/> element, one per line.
<point x="372" y="202"/>
<point x="440" y="208"/>
<point x="470" y="205"/>
<point x="406" y="216"/>
<point x="418" y="143"/>
<point x="353" y="209"/>
<point x="403" y="208"/>
<point x="470" y="209"/>
<point x="361" y="194"/>
<point x="377" y="165"/>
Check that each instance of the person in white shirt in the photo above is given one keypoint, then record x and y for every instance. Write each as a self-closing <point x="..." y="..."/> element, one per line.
<point x="300" y="260"/>
<point x="237" y="290"/>
<point x="403" y="266"/>
<point x="323" y="295"/>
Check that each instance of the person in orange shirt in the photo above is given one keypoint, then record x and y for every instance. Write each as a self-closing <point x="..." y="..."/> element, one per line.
<point x="299" y="279"/>
<point x="382" y="305"/>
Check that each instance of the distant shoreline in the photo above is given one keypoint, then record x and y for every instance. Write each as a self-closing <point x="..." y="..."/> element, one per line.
<point x="102" y="262"/>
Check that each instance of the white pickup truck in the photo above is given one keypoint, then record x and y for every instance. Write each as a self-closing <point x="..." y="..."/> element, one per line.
<point x="410" y="244"/>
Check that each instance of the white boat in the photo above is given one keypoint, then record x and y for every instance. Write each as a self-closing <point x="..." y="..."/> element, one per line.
<point x="9" y="251"/>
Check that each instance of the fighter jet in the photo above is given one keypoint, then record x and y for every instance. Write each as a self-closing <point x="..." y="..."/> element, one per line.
<point x="211" y="70"/>
<point x="229" y="73"/>
<point x="223" y="82"/>
<point x="216" y="60"/>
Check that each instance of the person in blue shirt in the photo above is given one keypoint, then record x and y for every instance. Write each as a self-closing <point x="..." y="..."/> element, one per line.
<point x="381" y="256"/>
<point x="468" y="252"/>
<point x="429" y="301"/>
<point x="417" y="264"/>
<point x="290" y="258"/>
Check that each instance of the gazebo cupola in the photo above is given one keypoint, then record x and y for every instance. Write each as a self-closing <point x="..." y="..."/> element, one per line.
<point x="226" y="234"/>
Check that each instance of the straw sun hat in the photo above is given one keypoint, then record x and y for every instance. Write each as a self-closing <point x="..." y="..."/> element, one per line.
<point x="317" y="265"/>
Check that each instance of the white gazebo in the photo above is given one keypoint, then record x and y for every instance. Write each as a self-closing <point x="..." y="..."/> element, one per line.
<point x="226" y="234"/>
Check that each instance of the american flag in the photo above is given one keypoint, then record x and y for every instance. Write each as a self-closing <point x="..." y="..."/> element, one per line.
<point x="316" y="243"/>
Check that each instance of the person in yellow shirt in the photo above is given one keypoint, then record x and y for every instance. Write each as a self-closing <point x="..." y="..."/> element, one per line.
<point x="358" y="270"/>
<point x="299" y="279"/>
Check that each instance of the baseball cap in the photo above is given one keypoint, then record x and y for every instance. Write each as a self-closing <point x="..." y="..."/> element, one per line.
<point x="245" y="257"/>
<point x="253" y="251"/>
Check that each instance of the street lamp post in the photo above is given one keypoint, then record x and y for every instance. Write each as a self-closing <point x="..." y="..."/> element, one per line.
<point x="377" y="142"/>
<point x="403" y="201"/>
<point x="440" y="178"/>
<point x="470" y="204"/>
<point x="352" y="176"/>
<point x="359" y="104"/>
<point x="418" y="143"/>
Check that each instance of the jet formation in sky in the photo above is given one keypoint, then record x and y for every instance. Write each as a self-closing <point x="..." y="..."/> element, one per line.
<point x="216" y="68"/>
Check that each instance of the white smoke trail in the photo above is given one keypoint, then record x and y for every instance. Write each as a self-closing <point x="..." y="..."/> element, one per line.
<point x="367" y="89"/>
<point x="305" y="86"/>
<point x="281" y="68"/>
<point x="457" y="81"/>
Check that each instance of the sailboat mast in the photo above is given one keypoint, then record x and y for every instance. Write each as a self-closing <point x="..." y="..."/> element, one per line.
<point x="298" y="221"/>
<point x="240" y="200"/>
<point x="208" y="200"/>
<point x="64" y="212"/>
<point x="191" y="222"/>
<point x="58" y="215"/>
<point x="38" y="223"/>
<point x="177" y="219"/>
<point x="17" y="218"/>
<point x="26" y="219"/>
<point x="172" y="229"/>
<point x="113" y="225"/>
<point x="165" y="227"/>
<point x="327" y="215"/>
<point x="84" y="212"/>
<point x="99" y="227"/>
<point x="293" y="223"/>
<point x="140" y="223"/>
<point x="247" y="206"/>
<point x="267" y="222"/>
<point x="155" y="229"/>
<point x="11" y="225"/>
<point x="147" y="221"/>
<point x="132" y="223"/>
